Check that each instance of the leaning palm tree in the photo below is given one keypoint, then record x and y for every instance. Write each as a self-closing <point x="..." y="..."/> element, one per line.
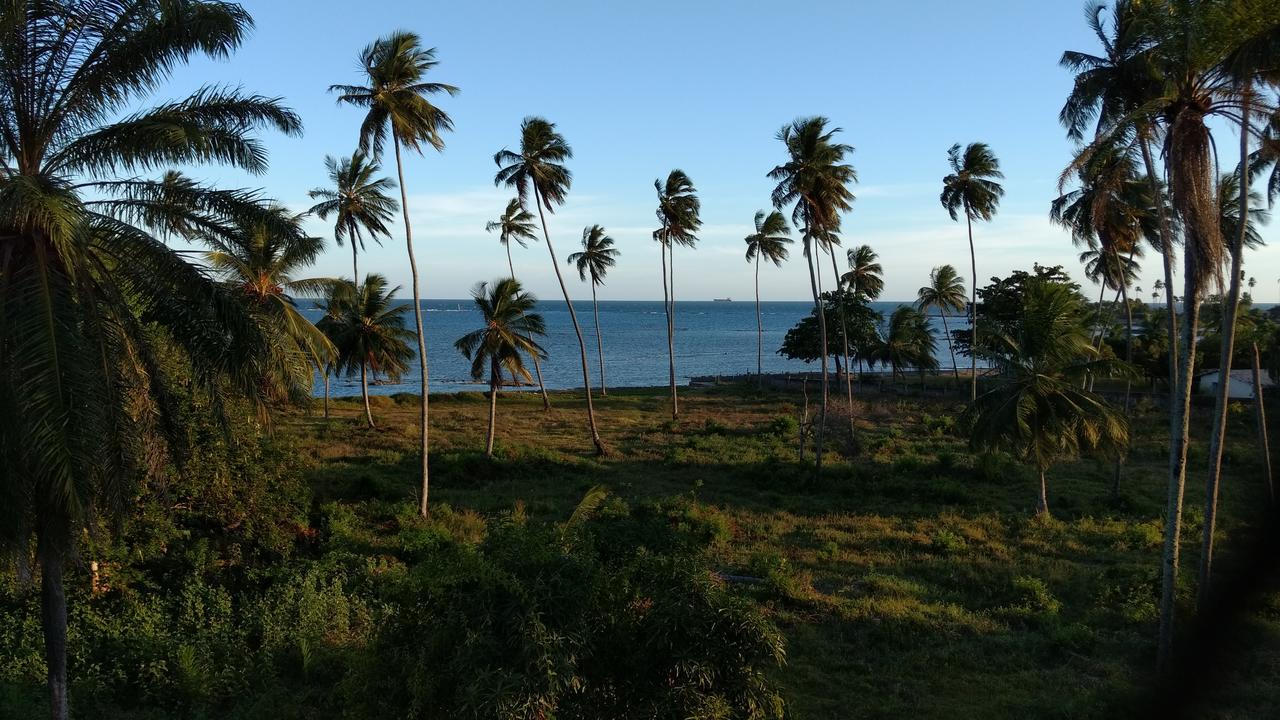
<point x="508" y="332"/>
<point x="396" y="98"/>
<point x="358" y="202"/>
<point x="366" y="328"/>
<point x="91" y="296"/>
<point x="594" y="260"/>
<point x="516" y="224"/>
<point x="260" y="264"/>
<point x="678" y="212"/>
<point x="971" y="188"/>
<point x="816" y="179"/>
<point x="945" y="293"/>
<point x="539" y="167"/>
<point x="770" y="242"/>
<point x="1036" y="409"/>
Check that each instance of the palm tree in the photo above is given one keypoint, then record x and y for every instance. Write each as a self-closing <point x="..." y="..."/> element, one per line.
<point x="770" y="242"/>
<point x="971" y="189"/>
<point x="358" y="201"/>
<point x="594" y="260"/>
<point x="816" y="179"/>
<point x="508" y="332"/>
<point x="516" y="223"/>
<point x="259" y="264"/>
<point x="865" y="276"/>
<point x="540" y="166"/>
<point x="945" y="293"/>
<point x="678" y="209"/>
<point x="1036" y="409"/>
<point x="91" y="294"/>
<point x="367" y="329"/>
<point x="396" y="98"/>
<point x="906" y="342"/>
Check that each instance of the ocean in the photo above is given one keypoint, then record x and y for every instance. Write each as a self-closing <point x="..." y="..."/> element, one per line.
<point x="712" y="338"/>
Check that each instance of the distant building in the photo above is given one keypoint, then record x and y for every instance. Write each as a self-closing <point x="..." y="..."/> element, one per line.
<point x="1241" y="383"/>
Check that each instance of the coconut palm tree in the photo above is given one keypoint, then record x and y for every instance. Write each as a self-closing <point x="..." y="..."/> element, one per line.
<point x="507" y="334"/>
<point x="538" y="169"/>
<point x="91" y="295"/>
<point x="815" y="181"/>
<point x="906" y="342"/>
<point x="865" y="276"/>
<point x="678" y="209"/>
<point x="259" y="263"/>
<point x="769" y="241"/>
<point x="397" y="104"/>
<point x="595" y="259"/>
<point x="367" y="329"/>
<point x="516" y="224"/>
<point x="971" y="189"/>
<point x="945" y="293"/>
<point x="358" y="202"/>
<point x="1036" y="409"/>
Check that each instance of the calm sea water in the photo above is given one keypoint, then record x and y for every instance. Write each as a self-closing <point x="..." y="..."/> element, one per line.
<point x="712" y="338"/>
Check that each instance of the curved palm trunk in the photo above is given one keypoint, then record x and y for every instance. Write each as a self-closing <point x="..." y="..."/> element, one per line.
<point x="364" y="393"/>
<point x="355" y="266"/>
<point x="844" y="339"/>
<point x="973" y="312"/>
<point x="537" y="364"/>
<point x="1218" y="438"/>
<point x="1166" y="260"/>
<point x="671" y="336"/>
<point x="1260" y="414"/>
<point x="493" y="407"/>
<point x="595" y="309"/>
<point x="820" y="436"/>
<point x="53" y="611"/>
<point x="947" y="329"/>
<point x="422" y="339"/>
<point x="759" y="330"/>
<point x="577" y="330"/>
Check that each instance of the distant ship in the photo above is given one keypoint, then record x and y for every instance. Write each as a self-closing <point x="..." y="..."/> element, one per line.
<point x="721" y="299"/>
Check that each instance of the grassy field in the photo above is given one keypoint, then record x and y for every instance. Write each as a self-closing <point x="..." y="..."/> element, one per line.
<point x="911" y="581"/>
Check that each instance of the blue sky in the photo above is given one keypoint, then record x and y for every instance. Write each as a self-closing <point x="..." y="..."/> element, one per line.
<point x="641" y="88"/>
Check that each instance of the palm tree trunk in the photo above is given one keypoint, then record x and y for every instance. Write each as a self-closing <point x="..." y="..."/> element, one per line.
<point x="1166" y="260"/>
<point x="1232" y="305"/>
<point x="326" y="391"/>
<point x="1260" y="414"/>
<point x="53" y="611"/>
<point x="1128" y="383"/>
<point x="759" y="329"/>
<point x="820" y="436"/>
<point x="844" y="339"/>
<point x="537" y="364"/>
<point x="573" y="317"/>
<point x="1179" y="436"/>
<point x="595" y="309"/>
<point x="671" y="335"/>
<point x="946" y="329"/>
<point x="493" y="407"/>
<point x="1042" y="501"/>
<point x="973" y="313"/>
<point x="355" y="266"/>
<point x="666" y="309"/>
<point x="417" y="319"/>
<point x="364" y="393"/>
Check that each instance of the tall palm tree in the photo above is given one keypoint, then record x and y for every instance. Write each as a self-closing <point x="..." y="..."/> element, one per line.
<point x="769" y="241"/>
<point x="1036" y="409"/>
<point x="539" y="166"/>
<point x="396" y="100"/>
<point x="508" y="332"/>
<point x="816" y="180"/>
<point x="367" y="329"/>
<point x="678" y="212"/>
<point x="970" y="188"/>
<point x="516" y="224"/>
<point x="945" y="293"/>
<point x="90" y="294"/>
<point x="595" y="259"/>
<point x="358" y="202"/>
<point x="260" y="263"/>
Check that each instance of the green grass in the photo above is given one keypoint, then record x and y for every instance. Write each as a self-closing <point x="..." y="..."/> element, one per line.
<point x="910" y="581"/>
